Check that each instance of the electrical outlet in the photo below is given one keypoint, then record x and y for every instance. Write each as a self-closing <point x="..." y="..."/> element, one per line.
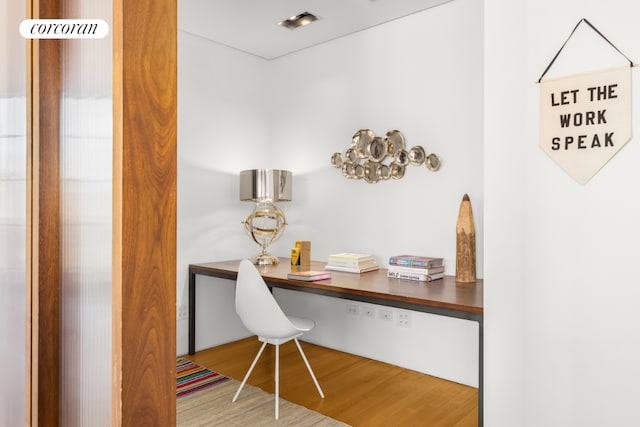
<point x="385" y="315"/>
<point x="404" y="319"/>
<point x="369" y="312"/>
<point x="352" y="309"/>
<point x="183" y="312"/>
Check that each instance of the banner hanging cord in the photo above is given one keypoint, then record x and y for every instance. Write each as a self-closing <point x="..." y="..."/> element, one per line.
<point x="568" y="38"/>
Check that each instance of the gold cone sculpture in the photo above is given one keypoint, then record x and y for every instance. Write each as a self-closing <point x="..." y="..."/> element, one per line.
<point x="465" y="244"/>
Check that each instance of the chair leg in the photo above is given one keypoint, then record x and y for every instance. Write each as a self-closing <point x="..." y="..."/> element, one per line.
<point x="306" y="362"/>
<point x="246" y="377"/>
<point x="277" y="377"/>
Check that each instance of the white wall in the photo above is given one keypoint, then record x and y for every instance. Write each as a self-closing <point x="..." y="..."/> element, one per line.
<point x="437" y="345"/>
<point x="222" y="129"/>
<point x="421" y="75"/>
<point x="561" y="334"/>
<point x="505" y="192"/>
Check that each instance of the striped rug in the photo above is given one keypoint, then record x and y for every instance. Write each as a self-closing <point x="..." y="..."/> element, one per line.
<point x="191" y="377"/>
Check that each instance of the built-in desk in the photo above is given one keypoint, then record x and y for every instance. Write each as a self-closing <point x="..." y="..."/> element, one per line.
<point x="443" y="297"/>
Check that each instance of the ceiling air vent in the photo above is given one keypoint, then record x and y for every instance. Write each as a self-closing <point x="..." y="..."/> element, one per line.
<point x="298" y="21"/>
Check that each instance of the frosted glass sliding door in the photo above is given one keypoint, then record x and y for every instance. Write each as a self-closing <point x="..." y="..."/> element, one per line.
<point x="59" y="284"/>
<point x="86" y="217"/>
<point x="13" y="237"/>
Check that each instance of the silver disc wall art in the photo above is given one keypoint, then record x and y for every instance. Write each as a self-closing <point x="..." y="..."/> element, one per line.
<point x="374" y="158"/>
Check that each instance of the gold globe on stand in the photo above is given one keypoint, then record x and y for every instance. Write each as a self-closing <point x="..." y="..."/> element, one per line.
<point x="266" y="223"/>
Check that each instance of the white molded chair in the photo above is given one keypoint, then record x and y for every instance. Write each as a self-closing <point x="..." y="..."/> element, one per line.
<point x="261" y="315"/>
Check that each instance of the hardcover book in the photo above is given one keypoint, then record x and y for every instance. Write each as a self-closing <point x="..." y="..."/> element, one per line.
<point x="350" y="259"/>
<point x="415" y="276"/>
<point x="416" y="261"/>
<point x="415" y="270"/>
<point x="309" y="275"/>
<point x="352" y="262"/>
<point x="350" y="256"/>
<point x="355" y="269"/>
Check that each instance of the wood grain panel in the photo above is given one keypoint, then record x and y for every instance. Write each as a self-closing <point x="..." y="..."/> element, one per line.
<point x="145" y="166"/>
<point x="44" y="278"/>
<point x="445" y="293"/>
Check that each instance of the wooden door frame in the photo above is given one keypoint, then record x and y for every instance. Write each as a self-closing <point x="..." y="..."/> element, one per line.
<point x="43" y="223"/>
<point x="144" y="216"/>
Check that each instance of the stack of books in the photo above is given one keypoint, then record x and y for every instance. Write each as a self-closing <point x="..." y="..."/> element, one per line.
<point x="352" y="263"/>
<point x="413" y="267"/>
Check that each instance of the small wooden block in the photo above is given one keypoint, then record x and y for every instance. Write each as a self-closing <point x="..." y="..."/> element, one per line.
<point x="305" y="252"/>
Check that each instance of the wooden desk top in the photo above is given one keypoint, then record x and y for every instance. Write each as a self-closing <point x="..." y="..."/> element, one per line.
<point x="443" y="293"/>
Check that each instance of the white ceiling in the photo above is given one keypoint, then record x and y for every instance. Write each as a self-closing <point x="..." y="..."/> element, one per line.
<point x="251" y="25"/>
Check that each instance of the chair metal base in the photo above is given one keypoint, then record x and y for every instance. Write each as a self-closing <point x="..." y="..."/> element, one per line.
<point x="277" y="373"/>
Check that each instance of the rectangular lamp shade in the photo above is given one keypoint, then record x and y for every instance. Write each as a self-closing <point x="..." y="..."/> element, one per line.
<point x="265" y="185"/>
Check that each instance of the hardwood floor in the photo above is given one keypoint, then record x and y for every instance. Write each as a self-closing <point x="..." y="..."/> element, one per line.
<point x="358" y="391"/>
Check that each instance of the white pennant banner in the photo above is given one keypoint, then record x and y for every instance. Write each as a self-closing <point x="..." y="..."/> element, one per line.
<point x="585" y="119"/>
